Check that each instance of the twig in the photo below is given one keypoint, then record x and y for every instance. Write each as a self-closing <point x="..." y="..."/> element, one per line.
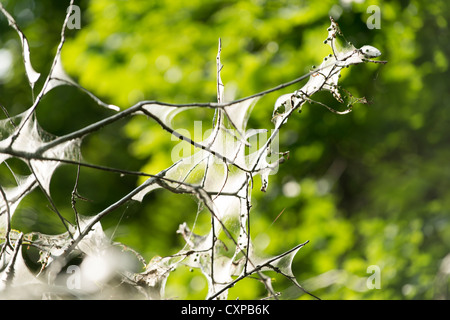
<point x="256" y="269"/>
<point x="48" y="79"/>
<point x="9" y="272"/>
<point x="7" y="115"/>
<point x="8" y="221"/>
<point x="73" y="201"/>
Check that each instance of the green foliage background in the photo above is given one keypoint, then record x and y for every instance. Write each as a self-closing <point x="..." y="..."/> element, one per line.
<point x="368" y="188"/>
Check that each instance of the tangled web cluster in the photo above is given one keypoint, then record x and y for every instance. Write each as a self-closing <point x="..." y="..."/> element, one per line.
<point x="219" y="174"/>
